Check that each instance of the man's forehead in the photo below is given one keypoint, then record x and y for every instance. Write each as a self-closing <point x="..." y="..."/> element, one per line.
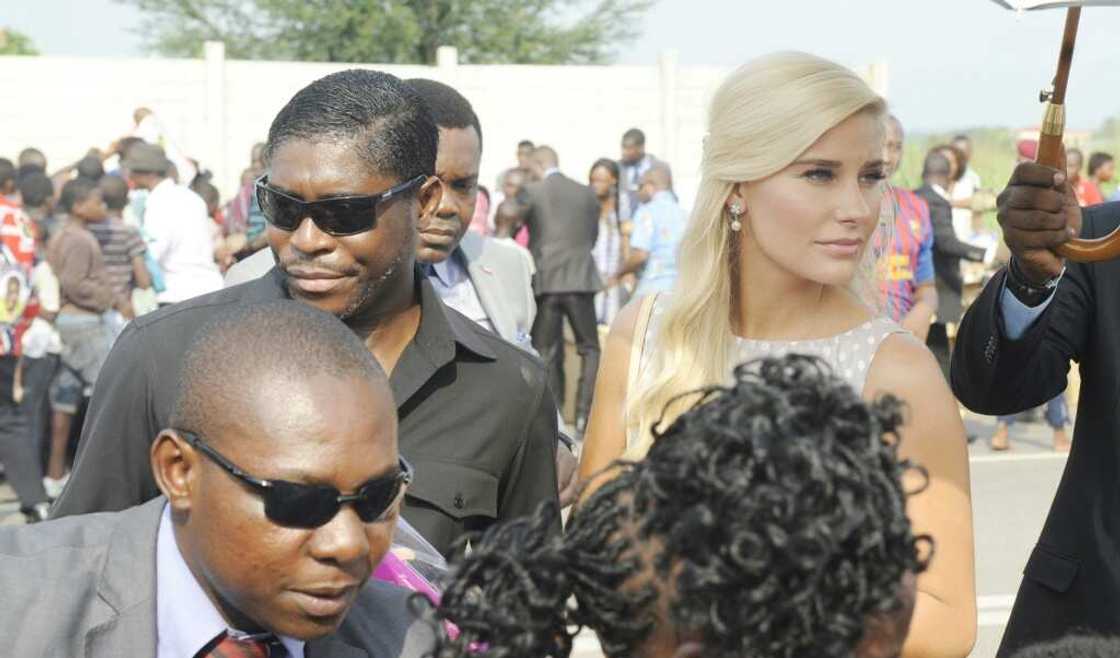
<point x="460" y="152"/>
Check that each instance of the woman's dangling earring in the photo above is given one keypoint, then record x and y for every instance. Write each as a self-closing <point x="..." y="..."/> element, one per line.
<point x="736" y="212"/>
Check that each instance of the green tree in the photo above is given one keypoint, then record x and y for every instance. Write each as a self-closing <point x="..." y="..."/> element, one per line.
<point x="15" y="43"/>
<point x="395" y="31"/>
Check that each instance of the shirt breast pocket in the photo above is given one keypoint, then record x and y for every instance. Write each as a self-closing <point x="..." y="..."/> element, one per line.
<point x="457" y="490"/>
<point x="1051" y="569"/>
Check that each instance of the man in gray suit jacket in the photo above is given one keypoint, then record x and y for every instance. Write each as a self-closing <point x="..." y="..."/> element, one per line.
<point x="251" y="546"/>
<point x="563" y="220"/>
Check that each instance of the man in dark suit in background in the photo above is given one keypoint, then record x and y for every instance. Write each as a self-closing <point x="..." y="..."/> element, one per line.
<point x="948" y="250"/>
<point x="563" y="219"/>
<point x="1013" y="352"/>
<point x="223" y="564"/>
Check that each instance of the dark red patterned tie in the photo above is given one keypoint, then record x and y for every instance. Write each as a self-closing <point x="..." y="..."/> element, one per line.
<point x="254" y="646"/>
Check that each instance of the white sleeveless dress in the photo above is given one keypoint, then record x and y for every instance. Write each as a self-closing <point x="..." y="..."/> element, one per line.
<point x="849" y="353"/>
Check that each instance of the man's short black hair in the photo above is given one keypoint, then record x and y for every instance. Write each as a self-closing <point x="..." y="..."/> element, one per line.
<point x="526" y="144"/>
<point x="74" y="192"/>
<point x="35" y="188"/>
<point x="634" y="136"/>
<point x="936" y="164"/>
<point x="392" y="126"/>
<point x="449" y="108"/>
<point x="1096" y="161"/>
<point x="962" y="138"/>
<point x="32" y="157"/>
<point x="90" y="167"/>
<point x="252" y="343"/>
<point x="114" y="191"/>
<point x="7" y="172"/>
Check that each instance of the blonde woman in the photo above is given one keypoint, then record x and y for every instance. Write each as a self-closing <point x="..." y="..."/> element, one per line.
<point x="776" y="259"/>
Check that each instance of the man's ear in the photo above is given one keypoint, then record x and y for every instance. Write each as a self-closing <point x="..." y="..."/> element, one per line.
<point x="430" y="195"/>
<point x="175" y="468"/>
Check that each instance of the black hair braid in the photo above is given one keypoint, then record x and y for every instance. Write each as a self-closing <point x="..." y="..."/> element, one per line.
<point x="780" y="502"/>
<point x="523" y="592"/>
<point x="768" y="520"/>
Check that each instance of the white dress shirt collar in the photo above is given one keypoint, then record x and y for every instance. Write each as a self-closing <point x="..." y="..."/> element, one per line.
<point x="186" y="619"/>
<point x="550" y="171"/>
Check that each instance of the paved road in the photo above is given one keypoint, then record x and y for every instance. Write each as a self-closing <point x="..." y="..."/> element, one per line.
<point x="1011" y="493"/>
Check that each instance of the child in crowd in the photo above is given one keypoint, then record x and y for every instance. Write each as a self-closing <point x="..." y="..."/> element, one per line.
<point x="86" y="294"/>
<point x="123" y="250"/>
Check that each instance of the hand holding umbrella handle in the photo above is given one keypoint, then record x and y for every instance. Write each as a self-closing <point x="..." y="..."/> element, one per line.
<point x="1051" y="152"/>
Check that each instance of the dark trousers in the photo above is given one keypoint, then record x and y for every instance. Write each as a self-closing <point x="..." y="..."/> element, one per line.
<point x="20" y="456"/>
<point x="37" y="377"/>
<point x="548" y="339"/>
<point x="937" y="340"/>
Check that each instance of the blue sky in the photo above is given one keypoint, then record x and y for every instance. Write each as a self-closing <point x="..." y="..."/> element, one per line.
<point x="954" y="64"/>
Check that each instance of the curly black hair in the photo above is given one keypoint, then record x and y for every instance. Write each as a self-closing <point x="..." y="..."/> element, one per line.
<point x="768" y="520"/>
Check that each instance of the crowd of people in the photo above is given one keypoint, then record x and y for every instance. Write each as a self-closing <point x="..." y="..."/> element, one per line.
<point x="766" y="457"/>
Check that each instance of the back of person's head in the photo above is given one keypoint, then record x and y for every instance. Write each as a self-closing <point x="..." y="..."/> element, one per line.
<point x="114" y="191"/>
<point x="507" y="216"/>
<point x="74" y="192"/>
<point x="36" y="189"/>
<point x="205" y="189"/>
<point x="1073" y="646"/>
<point x="90" y="167"/>
<point x="126" y="143"/>
<point x="634" y="136"/>
<point x="958" y="159"/>
<point x="768" y="520"/>
<point x="546" y="157"/>
<point x="390" y="126"/>
<point x="1097" y="160"/>
<point x="7" y="175"/>
<point x="762" y="118"/>
<point x="32" y="158"/>
<point x="659" y="176"/>
<point x="449" y="108"/>
<point x="936" y="166"/>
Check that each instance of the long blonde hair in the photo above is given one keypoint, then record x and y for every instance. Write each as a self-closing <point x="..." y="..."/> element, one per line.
<point x="765" y="115"/>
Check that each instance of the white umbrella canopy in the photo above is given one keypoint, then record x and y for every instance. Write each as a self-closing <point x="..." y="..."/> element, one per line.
<point x="1030" y="5"/>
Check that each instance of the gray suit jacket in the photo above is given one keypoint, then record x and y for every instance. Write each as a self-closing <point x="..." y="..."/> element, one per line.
<point x="502" y="275"/>
<point x="503" y="278"/>
<point x="85" y="586"/>
<point x="563" y="219"/>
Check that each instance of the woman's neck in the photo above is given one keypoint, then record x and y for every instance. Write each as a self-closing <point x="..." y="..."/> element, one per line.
<point x="772" y="303"/>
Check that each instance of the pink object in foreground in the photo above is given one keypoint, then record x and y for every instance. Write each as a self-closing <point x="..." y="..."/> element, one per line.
<point x="395" y="571"/>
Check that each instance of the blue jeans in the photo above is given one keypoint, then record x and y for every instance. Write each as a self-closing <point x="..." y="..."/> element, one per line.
<point x="86" y="340"/>
<point x="1057" y="414"/>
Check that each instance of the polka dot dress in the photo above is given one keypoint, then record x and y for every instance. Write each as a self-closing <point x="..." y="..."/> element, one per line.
<point x="849" y="353"/>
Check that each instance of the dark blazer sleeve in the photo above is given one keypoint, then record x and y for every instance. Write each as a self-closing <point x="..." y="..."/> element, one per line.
<point x="945" y="237"/>
<point x="994" y="375"/>
<point x="531" y="477"/>
<point x="112" y="470"/>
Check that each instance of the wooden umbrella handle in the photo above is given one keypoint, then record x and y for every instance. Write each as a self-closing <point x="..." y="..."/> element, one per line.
<point x="1051" y="150"/>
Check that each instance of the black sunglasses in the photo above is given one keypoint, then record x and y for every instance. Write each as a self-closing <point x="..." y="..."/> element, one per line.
<point x="308" y="505"/>
<point x="340" y="216"/>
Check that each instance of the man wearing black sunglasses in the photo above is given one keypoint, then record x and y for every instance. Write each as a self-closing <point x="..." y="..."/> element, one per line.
<point x="351" y="163"/>
<point x="271" y="519"/>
